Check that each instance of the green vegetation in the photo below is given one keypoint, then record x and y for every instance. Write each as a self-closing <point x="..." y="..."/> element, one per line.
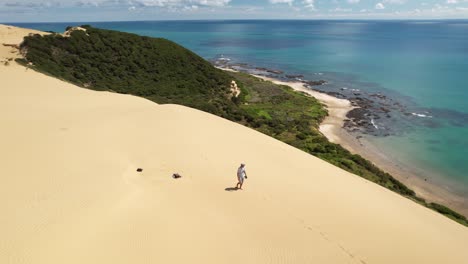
<point x="449" y="213"/>
<point x="157" y="69"/>
<point x="165" y="72"/>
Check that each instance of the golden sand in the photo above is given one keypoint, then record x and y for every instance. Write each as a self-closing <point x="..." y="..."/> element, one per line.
<point x="70" y="192"/>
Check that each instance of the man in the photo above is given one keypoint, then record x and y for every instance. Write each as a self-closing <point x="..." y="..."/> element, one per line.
<point x="241" y="175"/>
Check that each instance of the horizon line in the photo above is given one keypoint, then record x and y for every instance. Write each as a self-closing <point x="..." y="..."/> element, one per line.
<point x="244" y="19"/>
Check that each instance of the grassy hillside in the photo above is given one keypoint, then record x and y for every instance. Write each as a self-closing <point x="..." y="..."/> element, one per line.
<point x="165" y="72"/>
<point x="157" y="69"/>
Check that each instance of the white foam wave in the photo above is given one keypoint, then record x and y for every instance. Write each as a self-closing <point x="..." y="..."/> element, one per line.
<point x="421" y="115"/>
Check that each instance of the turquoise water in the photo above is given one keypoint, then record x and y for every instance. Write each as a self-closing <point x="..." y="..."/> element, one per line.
<point x="421" y="64"/>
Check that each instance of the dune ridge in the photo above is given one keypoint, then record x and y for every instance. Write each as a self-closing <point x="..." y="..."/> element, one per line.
<point x="70" y="191"/>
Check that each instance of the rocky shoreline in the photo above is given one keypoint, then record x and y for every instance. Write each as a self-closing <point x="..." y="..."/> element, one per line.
<point x="373" y="113"/>
<point x="376" y="112"/>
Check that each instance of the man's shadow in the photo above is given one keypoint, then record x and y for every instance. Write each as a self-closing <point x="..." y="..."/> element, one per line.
<point x="230" y="189"/>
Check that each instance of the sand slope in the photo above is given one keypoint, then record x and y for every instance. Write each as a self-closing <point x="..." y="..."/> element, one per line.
<point x="70" y="192"/>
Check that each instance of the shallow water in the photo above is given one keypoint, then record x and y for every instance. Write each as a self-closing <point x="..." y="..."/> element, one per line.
<point x="422" y="66"/>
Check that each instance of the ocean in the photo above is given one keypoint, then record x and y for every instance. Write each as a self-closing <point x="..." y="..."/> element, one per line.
<point x="410" y="76"/>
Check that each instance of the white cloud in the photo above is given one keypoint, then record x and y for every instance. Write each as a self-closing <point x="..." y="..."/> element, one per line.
<point x="309" y="4"/>
<point x="331" y="8"/>
<point x="253" y="9"/>
<point x="341" y="10"/>
<point x="31" y="4"/>
<point x="179" y="3"/>
<point x="87" y="3"/>
<point x="379" y="6"/>
<point x="289" y="2"/>
<point x="190" y="8"/>
<point x="400" y="2"/>
<point x="456" y="1"/>
<point x="123" y="3"/>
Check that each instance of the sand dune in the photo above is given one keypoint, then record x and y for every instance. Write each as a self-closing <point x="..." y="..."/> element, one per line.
<point x="10" y="35"/>
<point x="70" y="192"/>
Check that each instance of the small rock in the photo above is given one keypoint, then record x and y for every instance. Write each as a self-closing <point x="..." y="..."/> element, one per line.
<point x="139" y="169"/>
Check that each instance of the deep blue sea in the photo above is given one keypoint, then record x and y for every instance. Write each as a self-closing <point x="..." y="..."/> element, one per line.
<point x="420" y="67"/>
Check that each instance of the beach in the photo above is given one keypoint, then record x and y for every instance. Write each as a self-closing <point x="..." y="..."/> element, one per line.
<point x="333" y="128"/>
<point x="87" y="178"/>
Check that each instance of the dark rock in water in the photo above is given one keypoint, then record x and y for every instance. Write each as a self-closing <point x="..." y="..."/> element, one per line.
<point x="334" y="94"/>
<point x="385" y="110"/>
<point x="316" y="83"/>
<point x="275" y="71"/>
<point x="380" y="96"/>
<point x="357" y="113"/>
<point x="139" y="169"/>
<point x="240" y="64"/>
<point x="291" y="76"/>
<point x="269" y="70"/>
<point x="431" y="124"/>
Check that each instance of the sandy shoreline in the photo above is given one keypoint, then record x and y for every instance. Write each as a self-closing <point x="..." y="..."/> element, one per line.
<point x="425" y="187"/>
<point x="332" y="128"/>
<point x="337" y="108"/>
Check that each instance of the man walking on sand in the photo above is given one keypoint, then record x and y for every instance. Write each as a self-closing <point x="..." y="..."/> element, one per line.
<point x="241" y="175"/>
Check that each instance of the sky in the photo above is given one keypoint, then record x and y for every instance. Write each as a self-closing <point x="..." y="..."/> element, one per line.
<point x="136" y="10"/>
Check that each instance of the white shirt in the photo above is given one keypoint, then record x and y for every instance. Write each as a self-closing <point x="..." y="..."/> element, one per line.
<point x="241" y="172"/>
